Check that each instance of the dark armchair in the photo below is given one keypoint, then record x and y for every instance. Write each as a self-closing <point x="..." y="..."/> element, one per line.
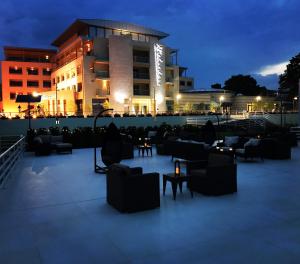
<point x="217" y="176"/>
<point x="129" y="190"/>
<point x="253" y="148"/>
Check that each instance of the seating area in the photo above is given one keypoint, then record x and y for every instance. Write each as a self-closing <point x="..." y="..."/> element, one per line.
<point x="134" y="214"/>
<point x="54" y="210"/>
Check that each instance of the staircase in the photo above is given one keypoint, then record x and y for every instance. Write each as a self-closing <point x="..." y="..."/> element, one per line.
<point x="296" y="130"/>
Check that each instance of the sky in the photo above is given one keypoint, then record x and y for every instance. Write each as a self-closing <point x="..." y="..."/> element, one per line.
<point x="216" y="38"/>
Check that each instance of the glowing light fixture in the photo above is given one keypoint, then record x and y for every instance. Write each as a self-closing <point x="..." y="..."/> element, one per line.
<point x="119" y="97"/>
<point x="178" y="96"/>
<point x="222" y="98"/>
<point x="258" y="98"/>
<point x="47" y="57"/>
<point x="159" y="98"/>
<point x="35" y="94"/>
<point x="177" y="168"/>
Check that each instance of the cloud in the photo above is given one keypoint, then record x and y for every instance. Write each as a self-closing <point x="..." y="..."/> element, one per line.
<point x="276" y="69"/>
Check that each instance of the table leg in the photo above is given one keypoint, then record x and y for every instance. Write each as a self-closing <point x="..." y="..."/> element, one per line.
<point x="164" y="184"/>
<point x="180" y="186"/>
<point x="143" y="152"/>
<point x="174" y="189"/>
<point x="151" y="151"/>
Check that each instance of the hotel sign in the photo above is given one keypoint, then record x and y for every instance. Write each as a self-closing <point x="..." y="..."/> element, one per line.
<point x="158" y="59"/>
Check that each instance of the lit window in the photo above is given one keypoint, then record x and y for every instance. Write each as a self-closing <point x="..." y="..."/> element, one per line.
<point x="135" y="36"/>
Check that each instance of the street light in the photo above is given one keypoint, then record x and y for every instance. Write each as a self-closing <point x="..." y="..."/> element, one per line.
<point x="178" y="97"/>
<point x="222" y="98"/>
<point x="258" y="99"/>
<point x="294" y="103"/>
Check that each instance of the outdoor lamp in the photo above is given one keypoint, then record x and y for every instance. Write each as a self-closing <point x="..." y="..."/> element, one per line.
<point x="177" y="168"/>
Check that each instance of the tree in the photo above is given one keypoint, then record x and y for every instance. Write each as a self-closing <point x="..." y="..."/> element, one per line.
<point x="245" y="85"/>
<point x="216" y="86"/>
<point x="289" y="80"/>
<point x="106" y="104"/>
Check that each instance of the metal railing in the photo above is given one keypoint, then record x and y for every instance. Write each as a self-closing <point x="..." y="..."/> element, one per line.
<point x="141" y="75"/>
<point x="141" y="59"/>
<point x="102" y="74"/>
<point x="10" y="157"/>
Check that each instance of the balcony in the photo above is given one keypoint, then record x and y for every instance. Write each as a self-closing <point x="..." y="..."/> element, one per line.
<point x="102" y="74"/>
<point x="102" y="92"/>
<point x="103" y="60"/>
<point x="141" y="75"/>
<point x="140" y="59"/>
<point x="169" y="80"/>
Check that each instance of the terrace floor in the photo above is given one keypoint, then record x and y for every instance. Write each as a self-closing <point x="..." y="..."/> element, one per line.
<point x="54" y="210"/>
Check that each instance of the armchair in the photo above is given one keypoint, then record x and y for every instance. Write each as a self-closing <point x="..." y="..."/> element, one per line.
<point x="252" y="149"/>
<point x="129" y="190"/>
<point x="217" y="176"/>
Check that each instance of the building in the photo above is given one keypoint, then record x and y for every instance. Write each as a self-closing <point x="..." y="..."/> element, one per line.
<point x="102" y="63"/>
<point x="24" y="71"/>
<point x="225" y="101"/>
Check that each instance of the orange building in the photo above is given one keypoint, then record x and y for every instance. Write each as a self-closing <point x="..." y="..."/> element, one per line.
<point x="24" y="71"/>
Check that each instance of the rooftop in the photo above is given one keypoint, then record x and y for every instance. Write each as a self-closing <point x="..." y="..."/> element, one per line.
<point x="79" y="24"/>
<point x="54" y="210"/>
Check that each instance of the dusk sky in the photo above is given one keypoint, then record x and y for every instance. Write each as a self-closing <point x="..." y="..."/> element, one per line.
<point x="215" y="38"/>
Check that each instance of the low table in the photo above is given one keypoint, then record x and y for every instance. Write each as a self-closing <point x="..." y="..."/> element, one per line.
<point x="224" y="150"/>
<point x="143" y="148"/>
<point x="175" y="180"/>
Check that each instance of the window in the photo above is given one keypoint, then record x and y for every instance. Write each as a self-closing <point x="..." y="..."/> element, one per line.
<point x="142" y="37"/>
<point x="147" y="38"/>
<point x="32" y="71"/>
<point x="100" y="32"/>
<point x="15" y="83"/>
<point x="62" y="78"/>
<point x="68" y="76"/>
<point x="33" y="83"/>
<point x="117" y="32"/>
<point x="78" y="69"/>
<point x="53" y="81"/>
<point x="46" y="84"/>
<point x="15" y="70"/>
<point x="189" y="83"/>
<point x="47" y="72"/>
<point x="72" y="74"/>
<point x="108" y="32"/>
<point x="182" y="83"/>
<point x="79" y="87"/>
<point x="141" y="89"/>
<point x="93" y="32"/>
<point x="57" y="79"/>
<point x="12" y="96"/>
<point x="135" y="36"/>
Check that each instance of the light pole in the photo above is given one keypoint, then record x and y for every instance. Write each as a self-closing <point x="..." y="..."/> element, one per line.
<point x="56" y="115"/>
<point x="294" y="103"/>
<point x="222" y="98"/>
<point x="258" y="100"/>
<point x="178" y="97"/>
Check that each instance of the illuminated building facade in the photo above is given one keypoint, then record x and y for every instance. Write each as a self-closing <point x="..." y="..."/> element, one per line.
<point x="120" y="65"/>
<point x="24" y="71"/>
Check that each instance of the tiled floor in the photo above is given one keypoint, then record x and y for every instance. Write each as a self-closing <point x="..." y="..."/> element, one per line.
<point x="54" y="211"/>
